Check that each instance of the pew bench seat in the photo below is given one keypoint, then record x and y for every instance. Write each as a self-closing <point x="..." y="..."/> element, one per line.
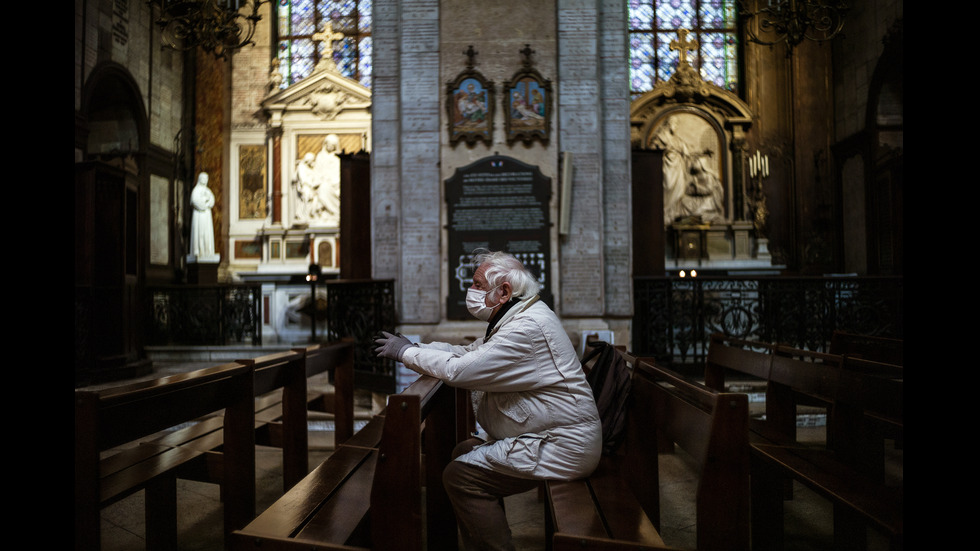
<point x="858" y="501"/>
<point x="598" y="512"/>
<point x="111" y="463"/>
<point x="369" y="493"/>
<point x="618" y="506"/>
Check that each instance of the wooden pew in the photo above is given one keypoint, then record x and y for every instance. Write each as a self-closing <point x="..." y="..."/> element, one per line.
<point x="869" y="347"/>
<point x="279" y="389"/>
<point x="789" y="376"/>
<point x="110" y="418"/>
<point x="368" y="493"/>
<point x="281" y="405"/>
<point x="866" y="411"/>
<point x="750" y="361"/>
<point x="338" y="358"/>
<point x="863" y="400"/>
<point x="618" y="506"/>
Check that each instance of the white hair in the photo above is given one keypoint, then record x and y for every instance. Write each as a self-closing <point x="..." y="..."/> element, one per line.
<point x="503" y="267"/>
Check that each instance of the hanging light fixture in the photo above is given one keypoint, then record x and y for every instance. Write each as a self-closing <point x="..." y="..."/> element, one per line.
<point x="216" y="26"/>
<point x="793" y="21"/>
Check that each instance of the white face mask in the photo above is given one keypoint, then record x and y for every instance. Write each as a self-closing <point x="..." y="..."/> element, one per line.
<point x="476" y="303"/>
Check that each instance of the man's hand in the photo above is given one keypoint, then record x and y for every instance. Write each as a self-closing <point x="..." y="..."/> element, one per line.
<point x="391" y="346"/>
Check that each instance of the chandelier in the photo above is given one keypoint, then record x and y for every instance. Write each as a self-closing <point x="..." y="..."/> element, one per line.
<point x="216" y="26"/>
<point x="793" y="21"/>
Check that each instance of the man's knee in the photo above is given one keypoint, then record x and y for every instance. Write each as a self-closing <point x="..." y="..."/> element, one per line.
<point x="466" y="446"/>
<point x="452" y="476"/>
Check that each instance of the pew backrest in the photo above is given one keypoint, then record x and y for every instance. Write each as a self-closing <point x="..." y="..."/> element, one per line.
<point x="396" y="494"/>
<point x="712" y="427"/>
<point x="125" y="413"/>
<point x="369" y="494"/>
<point x="736" y="355"/>
<point x="285" y="372"/>
<point x="868" y="410"/>
<point x="880" y="349"/>
<point x="109" y="418"/>
<point x="337" y="357"/>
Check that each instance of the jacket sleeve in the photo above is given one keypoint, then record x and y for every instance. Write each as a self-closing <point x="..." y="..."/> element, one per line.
<point x="454" y="348"/>
<point x="515" y="359"/>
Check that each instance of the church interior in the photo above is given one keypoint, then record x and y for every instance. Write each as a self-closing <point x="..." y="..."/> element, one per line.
<point x="244" y="167"/>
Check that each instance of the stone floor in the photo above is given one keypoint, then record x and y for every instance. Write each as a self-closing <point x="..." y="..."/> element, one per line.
<point x="808" y="518"/>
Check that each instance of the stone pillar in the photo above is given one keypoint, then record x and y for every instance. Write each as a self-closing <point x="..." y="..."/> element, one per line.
<point x="579" y="117"/>
<point x="593" y="121"/>
<point x="405" y="158"/>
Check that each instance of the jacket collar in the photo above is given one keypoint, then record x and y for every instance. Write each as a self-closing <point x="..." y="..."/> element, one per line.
<point x="510" y="310"/>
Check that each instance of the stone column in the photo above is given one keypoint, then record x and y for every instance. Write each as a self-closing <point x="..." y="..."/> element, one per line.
<point x="406" y="199"/>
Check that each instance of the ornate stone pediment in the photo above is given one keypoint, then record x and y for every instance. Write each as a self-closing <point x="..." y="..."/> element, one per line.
<point x="325" y="95"/>
<point x="724" y="107"/>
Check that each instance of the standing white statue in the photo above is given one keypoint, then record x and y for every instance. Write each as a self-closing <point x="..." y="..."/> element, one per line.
<point x="202" y="226"/>
<point x="317" y="183"/>
<point x="328" y="179"/>
<point x="308" y="204"/>
<point x="675" y="168"/>
<point x="693" y="191"/>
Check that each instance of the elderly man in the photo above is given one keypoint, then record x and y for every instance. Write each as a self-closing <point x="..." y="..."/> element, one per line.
<point x="530" y="393"/>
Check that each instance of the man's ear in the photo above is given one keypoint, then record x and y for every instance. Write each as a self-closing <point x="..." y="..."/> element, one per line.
<point x="505" y="293"/>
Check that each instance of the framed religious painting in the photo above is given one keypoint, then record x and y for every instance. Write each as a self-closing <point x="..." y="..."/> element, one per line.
<point x="469" y="106"/>
<point x="527" y="104"/>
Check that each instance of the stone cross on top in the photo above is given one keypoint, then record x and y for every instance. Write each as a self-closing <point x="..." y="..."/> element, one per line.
<point x="683" y="45"/>
<point x="328" y="36"/>
<point x="526" y="54"/>
<point x="470" y="53"/>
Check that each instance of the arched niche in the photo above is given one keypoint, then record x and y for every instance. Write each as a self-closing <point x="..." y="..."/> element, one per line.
<point x="870" y="167"/>
<point x="114" y="114"/>
<point x="110" y="235"/>
<point x="699" y="131"/>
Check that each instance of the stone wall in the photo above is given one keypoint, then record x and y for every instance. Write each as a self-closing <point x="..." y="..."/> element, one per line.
<point x="580" y="45"/>
<point x="250" y="68"/>
<point x="122" y="33"/>
<point x="856" y="58"/>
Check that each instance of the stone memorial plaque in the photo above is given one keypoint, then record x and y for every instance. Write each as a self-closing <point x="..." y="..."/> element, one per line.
<point x="501" y="204"/>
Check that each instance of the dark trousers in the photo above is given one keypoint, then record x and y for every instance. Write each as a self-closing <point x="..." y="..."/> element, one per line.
<point x="477" y="497"/>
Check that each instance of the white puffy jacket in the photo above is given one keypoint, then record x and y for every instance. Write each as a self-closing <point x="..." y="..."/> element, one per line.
<point x="532" y="397"/>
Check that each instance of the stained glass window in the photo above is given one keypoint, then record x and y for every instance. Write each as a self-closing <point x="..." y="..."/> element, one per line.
<point x="350" y="25"/>
<point x="654" y="24"/>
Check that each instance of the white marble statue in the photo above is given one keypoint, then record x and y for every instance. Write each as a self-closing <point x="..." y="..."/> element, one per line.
<point x="704" y="196"/>
<point x="328" y="177"/>
<point x="317" y="184"/>
<point x="675" y="167"/>
<point x="308" y="205"/>
<point x="692" y="189"/>
<point x="202" y="225"/>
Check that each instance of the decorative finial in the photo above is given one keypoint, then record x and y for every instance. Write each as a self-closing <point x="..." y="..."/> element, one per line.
<point x="329" y="37"/>
<point x="526" y="53"/>
<point x="686" y="82"/>
<point x="470" y="53"/>
<point x="683" y="45"/>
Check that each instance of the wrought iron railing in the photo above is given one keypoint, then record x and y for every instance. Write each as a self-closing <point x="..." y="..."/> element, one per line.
<point x="674" y="317"/>
<point x="215" y="315"/>
<point x="358" y="309"/>
<point x="672" y="321"/>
